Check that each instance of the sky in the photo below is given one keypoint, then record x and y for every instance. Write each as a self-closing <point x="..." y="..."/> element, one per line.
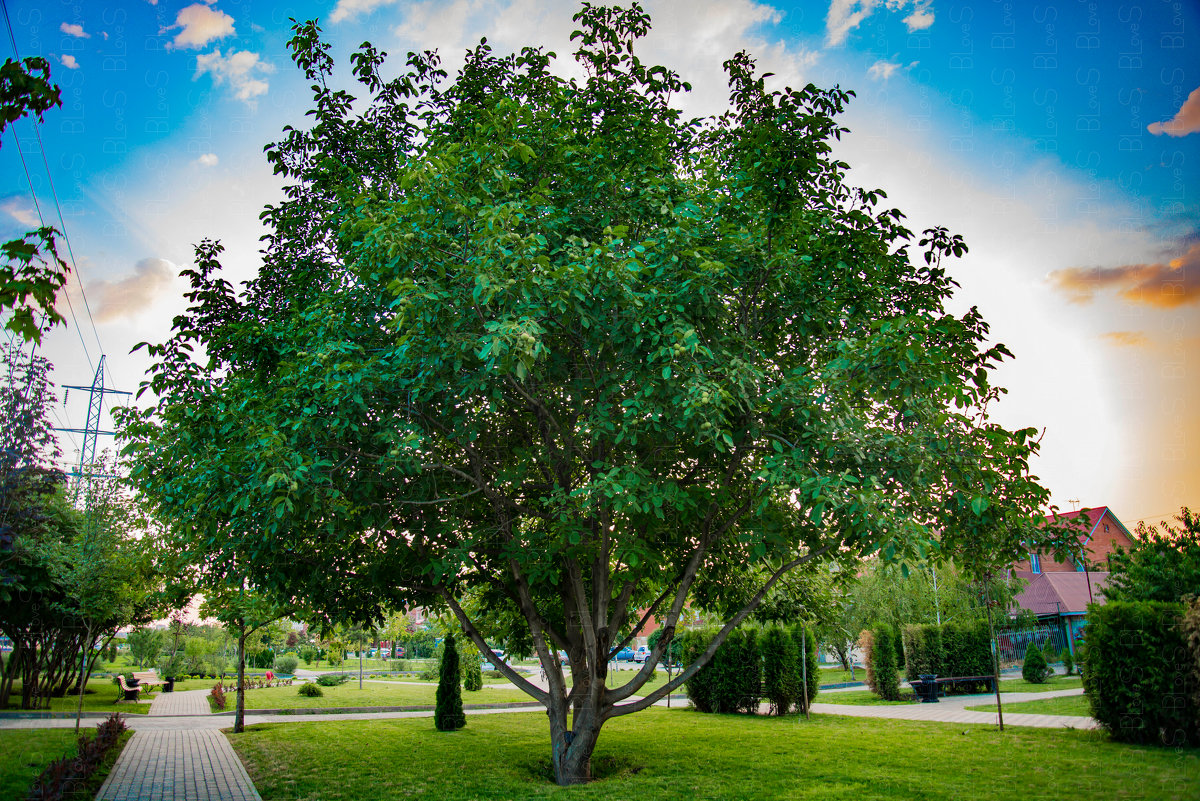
<point x="1061" y="139"/>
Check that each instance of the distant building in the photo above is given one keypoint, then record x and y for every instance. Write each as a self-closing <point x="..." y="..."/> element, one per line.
<point x="1103" y="532"/>
<point x="1059" y="592"/>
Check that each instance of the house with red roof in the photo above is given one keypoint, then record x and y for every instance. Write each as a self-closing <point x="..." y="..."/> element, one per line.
<point x="1059" y="591"/>
<point x="1100" y="535"/>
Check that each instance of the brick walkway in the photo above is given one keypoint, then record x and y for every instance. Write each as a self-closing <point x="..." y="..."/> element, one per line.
<point x="187" y="702"/>
<point x="178" y="765"/>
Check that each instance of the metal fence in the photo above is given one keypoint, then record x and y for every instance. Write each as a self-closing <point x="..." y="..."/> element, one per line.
<point x="1012" y="643"/>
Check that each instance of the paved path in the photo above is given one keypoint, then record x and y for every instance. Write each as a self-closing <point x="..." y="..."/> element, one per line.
<point x="178" y="765"/>
<point x="185" y="702"/>
<point x="953" y="710"/>
<point x="174" y="756"/>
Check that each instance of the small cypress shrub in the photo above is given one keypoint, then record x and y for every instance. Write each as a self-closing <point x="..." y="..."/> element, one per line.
<point x="310" y="690"/>
<point x="1068" y="661"/>
<point x="866" y="643"/>
<point x="883" y="662"/>
<point x="781" y="679"/>
<point x="448" y="711"/>
<point x="1049" y="651"/>
<point x="1035" y="670"/>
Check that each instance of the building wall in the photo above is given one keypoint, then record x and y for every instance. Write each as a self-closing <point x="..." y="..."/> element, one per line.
<point x="1106" y="537"/>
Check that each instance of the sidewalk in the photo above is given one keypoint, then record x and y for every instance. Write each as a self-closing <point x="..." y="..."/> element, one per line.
<point x="178" y="760"/>
<point x="953" y="710"/>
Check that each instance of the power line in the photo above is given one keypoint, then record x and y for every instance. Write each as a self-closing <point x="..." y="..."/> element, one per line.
<point x="58" y="209"/>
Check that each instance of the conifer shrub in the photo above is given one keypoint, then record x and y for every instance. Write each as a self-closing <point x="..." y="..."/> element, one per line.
<point x="866" y="643"/>
<point x="883" y="662"/>
<point x="1140" y="673"/>
<point x="310" y="690"/>
<point x="1068" y="661"/>
<point x="448" y="709"/>
<point x="780" y="666"/>
<point x="1035" y="670"/>
<point x="732" y="680"/>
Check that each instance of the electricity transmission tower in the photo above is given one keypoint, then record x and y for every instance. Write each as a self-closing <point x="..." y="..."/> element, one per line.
<point x="87" y="453"/>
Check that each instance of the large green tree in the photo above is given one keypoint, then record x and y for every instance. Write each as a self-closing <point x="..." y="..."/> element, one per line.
<point x="1161" y="564"/>
<point x="546" y="339"/>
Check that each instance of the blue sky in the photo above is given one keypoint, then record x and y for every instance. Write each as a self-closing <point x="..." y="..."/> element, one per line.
<point x="1062" y="139"/>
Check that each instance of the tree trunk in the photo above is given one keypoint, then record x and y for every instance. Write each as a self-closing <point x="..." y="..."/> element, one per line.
<point x="240" y="715"/>
<point x="84" y="672"/>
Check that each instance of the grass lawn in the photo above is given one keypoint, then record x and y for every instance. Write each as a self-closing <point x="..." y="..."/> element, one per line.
<point x="1070" y="705"/>
<point x="25" y="753"/>
<point x="98" y="697"/>
<point x="372" y="694"/>
<point x="664" y="754"/>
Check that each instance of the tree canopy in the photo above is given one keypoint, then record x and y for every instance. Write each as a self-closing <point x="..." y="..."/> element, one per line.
<point x="1161" y="564"/>
<point x="545" y="340"/>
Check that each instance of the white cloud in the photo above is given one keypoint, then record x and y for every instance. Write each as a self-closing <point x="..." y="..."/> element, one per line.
<point x="74" y="30"/>
<point x="1185" y="121"/>
<point x="69" y="61"/>
<point x="882" y="70"/>
<point x="207" y="160"/>
<point x="843" y="17"/>
<point x="20" y="209"/>
<point x="345" y="9"/>
<point x="846" y="15"/>
<point x="242" y="70"/>
<point x="201" y="25"/>
<point x="919" y="20"/>
<point x="131" y="294"/>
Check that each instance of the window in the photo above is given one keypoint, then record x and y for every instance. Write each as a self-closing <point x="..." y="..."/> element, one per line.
<point x="1035" y="563"/>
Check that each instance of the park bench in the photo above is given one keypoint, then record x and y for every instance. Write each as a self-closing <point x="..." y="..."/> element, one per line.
<point x="148" y="678"/>
<point x="929" y="689"/>
<point x="127" y="693"/>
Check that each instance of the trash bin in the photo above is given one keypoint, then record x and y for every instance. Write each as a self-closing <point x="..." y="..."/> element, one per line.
<point x="927" y="688"/>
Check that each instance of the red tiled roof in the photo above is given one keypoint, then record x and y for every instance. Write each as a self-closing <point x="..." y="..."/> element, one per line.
<point x="1061" y="593"/>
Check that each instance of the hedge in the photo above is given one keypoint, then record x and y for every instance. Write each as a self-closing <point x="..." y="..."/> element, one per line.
<point x="1140" y="674"/>
<point x="732" y="679"/>
<point x="952" y="649"/>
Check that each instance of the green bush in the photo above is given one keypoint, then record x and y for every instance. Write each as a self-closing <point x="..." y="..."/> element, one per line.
<point x="966" y="649"/>
<point x="812" y="670"/>
<point x="732" y="680"/>
<point x="780" y="669"/>
<point x="332" y="679"/>
<point x="923" y="648"/>
<point x="883" y="662"/>
<point x="1050" y="652"/>
<point x="287" y="664"/>
<point x="1035" y="670"/>
<point x="448" y="711"/>
<point x="398" y="664"/>
<point x="310" y="690"/>
<point x="309" y="654"/>
<point x="1139" y="673"/>
<point x="1068" y="661"/>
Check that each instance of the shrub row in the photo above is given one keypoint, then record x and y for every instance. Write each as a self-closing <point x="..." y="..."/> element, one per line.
<point x="1142" y="671"/>
<point x="750" y="665"/>
<point x="883" y="674"/>
<point x="66" y="776"/>
<point x="952" y="649"/>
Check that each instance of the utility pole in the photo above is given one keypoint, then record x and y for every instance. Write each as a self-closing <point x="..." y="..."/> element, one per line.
<point x="87" y="453"/>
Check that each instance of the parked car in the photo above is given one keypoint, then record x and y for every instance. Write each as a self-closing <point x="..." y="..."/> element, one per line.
<point x="641" y="654"/>
<point x="625" y="655"/>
